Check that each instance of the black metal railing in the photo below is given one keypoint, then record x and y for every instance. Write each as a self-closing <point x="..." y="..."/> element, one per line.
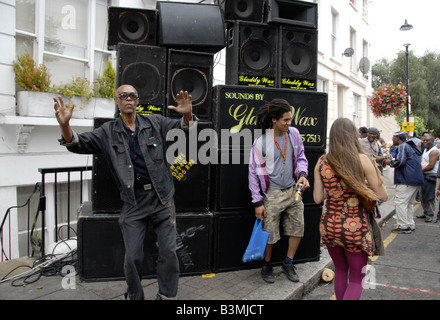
<point x="33" y="242"/>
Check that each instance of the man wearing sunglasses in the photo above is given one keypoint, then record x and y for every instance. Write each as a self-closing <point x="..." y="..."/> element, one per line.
<point x="135" y="148"/>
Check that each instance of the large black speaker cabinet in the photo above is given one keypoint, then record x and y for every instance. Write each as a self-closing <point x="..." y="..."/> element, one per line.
<point x="143" y="67"/>
<point x="298" y="13"/>
<point x="298" y="56"/>
<point x="101" y="248"/>
<point x="105" y="193"/>
<point x="232" y="232"/>
<point x="251" y="54"/>
<point x="246" y="10"/>
<point x="235" y="108"/>
<point x="229" y="181"/>
<point x="190" y="172"/>
<point x="190" y="71"/>
<point x="191" y="26"/>
<point x="130" y="25"/>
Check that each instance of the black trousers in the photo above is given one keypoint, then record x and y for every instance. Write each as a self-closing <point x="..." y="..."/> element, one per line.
<point x="133" y="223"/>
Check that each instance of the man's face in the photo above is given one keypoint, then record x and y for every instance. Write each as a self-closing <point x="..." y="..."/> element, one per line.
<point x="127" y="99"/>
<point x="429" y="143"/>
<point x="371" y="136"/>
<point x="283" y="123"/>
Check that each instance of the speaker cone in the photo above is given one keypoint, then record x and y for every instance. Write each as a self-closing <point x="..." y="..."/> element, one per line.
<point x="256" y="54"/>
<point x="298" y="59"/>
<point x="134" y="27"/>
<point x="192" y="80"/>
<point x="243" y="8"/>
<point x="145" y="77"/>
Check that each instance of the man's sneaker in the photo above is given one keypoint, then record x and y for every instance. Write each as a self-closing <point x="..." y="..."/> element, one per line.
<point x="267" y="274"/>
<point x="401" y="230"/>
<point x="290" y="271"/>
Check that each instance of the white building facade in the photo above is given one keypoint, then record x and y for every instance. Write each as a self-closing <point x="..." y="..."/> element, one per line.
<point x="70" y="38"/>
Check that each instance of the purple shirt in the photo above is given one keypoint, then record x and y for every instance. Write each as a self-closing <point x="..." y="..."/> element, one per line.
<point x="258" y="176"/>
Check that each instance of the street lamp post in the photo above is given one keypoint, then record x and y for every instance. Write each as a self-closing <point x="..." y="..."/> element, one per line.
<point x="407" y="82"/>
<point x="406" y="27"/>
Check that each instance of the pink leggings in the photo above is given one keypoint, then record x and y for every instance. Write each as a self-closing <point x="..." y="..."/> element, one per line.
<point x="349" y="267"/>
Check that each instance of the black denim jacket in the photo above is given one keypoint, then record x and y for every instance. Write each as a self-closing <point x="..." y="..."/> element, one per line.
<point x="111" y="140"/>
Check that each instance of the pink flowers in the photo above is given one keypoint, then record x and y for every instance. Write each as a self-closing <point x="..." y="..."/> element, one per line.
<point x="388" y="100"/>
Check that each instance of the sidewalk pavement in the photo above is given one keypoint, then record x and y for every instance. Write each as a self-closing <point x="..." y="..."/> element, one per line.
<point x="233" y="285"/>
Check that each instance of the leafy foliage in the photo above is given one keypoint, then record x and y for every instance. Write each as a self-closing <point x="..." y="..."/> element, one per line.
<point x="424" y="75"/>
<point x="30" y="76"/>
<point x="106" y="85"/>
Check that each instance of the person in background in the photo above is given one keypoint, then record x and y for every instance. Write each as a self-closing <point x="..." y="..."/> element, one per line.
<point x="277" y="167"/>
<point x="437" y="194"/>
<point x="363" y="132"/>
<point x="373" y="148"/>
<point x="430" y="161"/>
<point x="408" y="178"/>
<point x="341" y="177"/>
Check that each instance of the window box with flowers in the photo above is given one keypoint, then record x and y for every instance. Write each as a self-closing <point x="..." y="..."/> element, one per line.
<point x="37" y="98"/>
<point x="388" y="100"/>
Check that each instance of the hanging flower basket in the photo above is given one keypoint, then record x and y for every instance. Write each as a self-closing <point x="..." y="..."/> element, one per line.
<point x="388" y="100"/>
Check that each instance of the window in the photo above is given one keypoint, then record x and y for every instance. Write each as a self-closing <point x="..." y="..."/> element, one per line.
<point x="69" y="37"/>
<point x="322" y="85"/>
<point x="353" y="59"/>
<point x="365" y="9"/>
<point x="335" y="21"/>
<point x="26" y="26"/>
<point x="356" y="101"/>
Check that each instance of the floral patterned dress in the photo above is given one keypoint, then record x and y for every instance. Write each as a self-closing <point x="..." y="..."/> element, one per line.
<point x="343" y="222"/>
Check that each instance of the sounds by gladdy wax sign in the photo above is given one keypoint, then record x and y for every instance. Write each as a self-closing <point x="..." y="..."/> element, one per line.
<point x="235" y="108"/>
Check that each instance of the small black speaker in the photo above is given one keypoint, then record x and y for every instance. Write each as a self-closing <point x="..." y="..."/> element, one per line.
<point x="101" y="248"/>
<point x="130" y="25"/>
<point x="229" y="181"/>
<point x="245" y="10"/>
<point x="143" y="67"/>
<point x="298" y="56"/>
<point x="251" y="58"/>
<point x="190" y="175"/>
<point x="298" y="13"/>
<point x="190" y="71"/>
<point x="105" y="192"/>
<point x="190" y="26"/>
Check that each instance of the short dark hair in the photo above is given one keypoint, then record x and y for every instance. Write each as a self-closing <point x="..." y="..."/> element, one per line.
<point x="363" y="130"/>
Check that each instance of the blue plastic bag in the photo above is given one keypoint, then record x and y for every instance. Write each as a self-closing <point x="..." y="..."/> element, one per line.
<point x="257" y="244"/>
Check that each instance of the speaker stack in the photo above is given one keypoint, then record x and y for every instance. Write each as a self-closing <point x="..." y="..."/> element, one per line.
<point x="278" y="51"/>
<point x="271" y="52"/>
<point x="159" y="52"/>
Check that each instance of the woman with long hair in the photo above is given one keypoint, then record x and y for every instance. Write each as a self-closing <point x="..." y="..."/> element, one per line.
<point x="342" y="176"/>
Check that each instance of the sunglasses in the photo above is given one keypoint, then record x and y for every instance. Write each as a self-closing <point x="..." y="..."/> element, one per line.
<point x="124" y="96"/>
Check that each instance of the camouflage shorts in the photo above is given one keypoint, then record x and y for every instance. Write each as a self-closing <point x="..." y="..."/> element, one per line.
<point x="281" y="204"/>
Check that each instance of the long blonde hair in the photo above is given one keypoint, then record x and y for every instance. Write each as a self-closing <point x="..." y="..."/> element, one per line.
<point x="343" y="157"/>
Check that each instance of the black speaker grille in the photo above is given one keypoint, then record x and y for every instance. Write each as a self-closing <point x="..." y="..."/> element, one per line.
<point x="128" y="25"/>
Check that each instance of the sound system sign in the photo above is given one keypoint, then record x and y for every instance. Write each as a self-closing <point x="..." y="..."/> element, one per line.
<point x="235" y="110"/>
